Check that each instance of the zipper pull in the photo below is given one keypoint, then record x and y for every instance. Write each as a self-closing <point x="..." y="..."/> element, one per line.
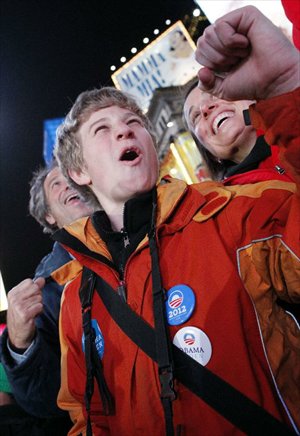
<point x="125" y="237"/>
<point x="122" y="290"/>
<point x="279" y="169"/>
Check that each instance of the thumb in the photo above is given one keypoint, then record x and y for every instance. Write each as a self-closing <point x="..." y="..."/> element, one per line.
<point x="206" y="79"/>
<point x="211" y="82"/>
<point x="40" y="281"/>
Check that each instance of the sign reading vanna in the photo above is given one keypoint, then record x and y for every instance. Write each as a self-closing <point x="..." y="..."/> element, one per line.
<point x="167" y="61"/>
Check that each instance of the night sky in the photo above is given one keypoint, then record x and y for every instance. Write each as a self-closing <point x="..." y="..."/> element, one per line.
<point x="50" y="51"/>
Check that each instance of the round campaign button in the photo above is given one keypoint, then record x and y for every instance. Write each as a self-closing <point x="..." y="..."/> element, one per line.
<point x="99" y="340"/>
<point x="194" y="342"/>
<point x="180" y="304"/>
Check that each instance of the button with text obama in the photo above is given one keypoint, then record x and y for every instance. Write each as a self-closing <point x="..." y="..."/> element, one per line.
<point x="194" y="342"/>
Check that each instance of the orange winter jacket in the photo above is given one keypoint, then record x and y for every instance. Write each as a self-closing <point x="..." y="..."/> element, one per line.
<point x="238" y="249"/>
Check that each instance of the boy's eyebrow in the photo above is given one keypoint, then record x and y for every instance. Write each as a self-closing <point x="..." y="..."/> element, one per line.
<point x="96" y="122"/>
<point x="125" y="115"/>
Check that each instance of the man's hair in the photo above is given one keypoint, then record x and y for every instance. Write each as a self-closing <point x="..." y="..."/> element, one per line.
<point x="68" y="149"/>
<point x="215" y="168"/>
<point x="38" y="206"/>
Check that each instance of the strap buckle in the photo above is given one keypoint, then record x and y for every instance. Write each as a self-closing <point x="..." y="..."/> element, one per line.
<point x="166" y="383"/>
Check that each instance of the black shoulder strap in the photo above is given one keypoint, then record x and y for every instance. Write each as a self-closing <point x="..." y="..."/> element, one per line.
<point x="163" y="342"/>
<point x="92" y="362"/>
<point x="221" y="396"/>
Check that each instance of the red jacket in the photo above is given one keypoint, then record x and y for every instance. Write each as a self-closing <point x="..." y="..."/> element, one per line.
<point x="238" y="249"/>
<point x="268" y="169"/>
<point x="292" y="11"/>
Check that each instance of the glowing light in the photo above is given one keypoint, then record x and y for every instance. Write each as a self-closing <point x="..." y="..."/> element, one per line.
<point x="3" y="299"/>
<point x="180" y="163"/>
<point x="145" y="40"/>
<point x="133" y="50"/>
<point x="113" y="68"/>
<point x="196" y="12"/>
<point x="170" y="124"/>
<point x="123" y="59"/>
<point x="156" y="31"/>
<point x="168" y="22"/>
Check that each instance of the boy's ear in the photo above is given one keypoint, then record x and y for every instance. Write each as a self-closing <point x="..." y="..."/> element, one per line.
<point x="80" y="177"/>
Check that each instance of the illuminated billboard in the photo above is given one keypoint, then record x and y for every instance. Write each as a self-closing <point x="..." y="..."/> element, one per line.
<point x="50" y="127"/>
<point x="167" y="61"/>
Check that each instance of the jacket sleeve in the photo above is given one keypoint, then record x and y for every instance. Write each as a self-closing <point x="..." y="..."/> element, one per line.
<point x="35" y="382"/>
<point x="279" y="118"/>
<point x="262" y="223"/>
<point x="268" y="235"/>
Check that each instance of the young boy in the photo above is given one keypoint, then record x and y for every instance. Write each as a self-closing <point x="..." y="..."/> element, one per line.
<point x="171" y="269"/>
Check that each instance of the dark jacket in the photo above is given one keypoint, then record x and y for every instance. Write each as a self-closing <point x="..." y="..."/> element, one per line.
<point x="35" y="382"/>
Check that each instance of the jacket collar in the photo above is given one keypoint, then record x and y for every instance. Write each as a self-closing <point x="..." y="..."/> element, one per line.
<point x="259" y="152"/>
<point x="202" y="201"/>
<point x="137" y="214"/>
<point x="54" y="260"/>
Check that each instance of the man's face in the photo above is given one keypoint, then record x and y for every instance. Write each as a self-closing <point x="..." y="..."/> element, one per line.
<point x="219" y="125"/>
<point x="119" y="155"/>
<point x="64" y="203"/>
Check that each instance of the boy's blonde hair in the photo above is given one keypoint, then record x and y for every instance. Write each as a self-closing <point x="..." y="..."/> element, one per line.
<point x="68" y="149"/>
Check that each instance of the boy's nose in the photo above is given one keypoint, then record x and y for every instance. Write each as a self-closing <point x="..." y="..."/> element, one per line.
<point x="124" y="131"/>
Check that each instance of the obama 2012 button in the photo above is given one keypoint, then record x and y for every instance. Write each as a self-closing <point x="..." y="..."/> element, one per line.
<point x="180" y="304"/>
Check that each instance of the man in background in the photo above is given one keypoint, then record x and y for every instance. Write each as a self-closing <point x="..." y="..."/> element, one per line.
<point x="30" y="344"/>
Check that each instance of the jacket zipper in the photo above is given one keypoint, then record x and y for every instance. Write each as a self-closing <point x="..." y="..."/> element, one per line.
<point x="279" y="169"/>
<point x="125" y="236"/>
<point x="122" y="288"/>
